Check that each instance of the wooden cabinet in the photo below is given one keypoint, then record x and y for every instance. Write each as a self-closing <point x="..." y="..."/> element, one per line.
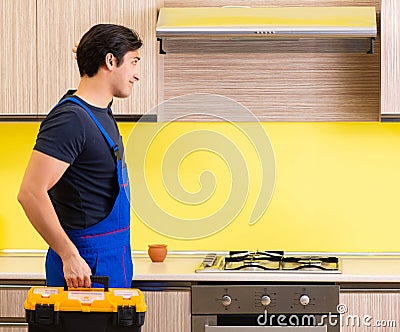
<point x="61" y="23"/>
<point x="38" y="65"/>
<point x="12" y="313"/>
<point x="167" y="311"/>
<point x="390" y="59"/>
<point x="305" y="80"/>
<point x="371" y="310"/>
<point x="12" y="301"/>
<point x="18" y="82"/>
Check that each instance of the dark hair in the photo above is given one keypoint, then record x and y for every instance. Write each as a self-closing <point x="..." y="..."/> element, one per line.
<point x="102" y="39"/>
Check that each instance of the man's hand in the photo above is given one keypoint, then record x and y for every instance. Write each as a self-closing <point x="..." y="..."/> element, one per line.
<point x="76" y="271"/>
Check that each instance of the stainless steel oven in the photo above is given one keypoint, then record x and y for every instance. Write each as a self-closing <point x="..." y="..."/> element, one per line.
<point x="264" y="307"/>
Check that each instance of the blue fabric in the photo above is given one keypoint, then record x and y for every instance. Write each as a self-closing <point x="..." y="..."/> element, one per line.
<point x="105" y="246"/>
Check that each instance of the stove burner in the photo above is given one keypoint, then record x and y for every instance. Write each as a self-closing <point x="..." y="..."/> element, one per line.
<point x="326" y="263"/>
<point x="268" y="261"/>
<point x="254" y="266"/>
<point x="240" y="256"/>
<point x="311" y="259"/>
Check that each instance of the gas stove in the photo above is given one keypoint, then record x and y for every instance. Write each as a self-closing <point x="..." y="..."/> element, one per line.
<point x="269" y="261"/>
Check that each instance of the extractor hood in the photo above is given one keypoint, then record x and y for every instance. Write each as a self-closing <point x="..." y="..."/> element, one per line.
<point x="265" y="23"/>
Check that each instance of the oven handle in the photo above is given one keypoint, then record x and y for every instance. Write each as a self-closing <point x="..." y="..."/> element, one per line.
<point x="266" y="328"/>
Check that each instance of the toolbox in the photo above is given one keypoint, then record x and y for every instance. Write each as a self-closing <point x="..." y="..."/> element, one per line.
<point x="59" y="309"/>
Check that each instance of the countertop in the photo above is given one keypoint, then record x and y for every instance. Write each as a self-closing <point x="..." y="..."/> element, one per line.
<point x="180" y="267"/>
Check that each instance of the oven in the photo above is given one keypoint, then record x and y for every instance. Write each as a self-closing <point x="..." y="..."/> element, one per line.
<point x="264" y="307"/>
<point x="270" y="307"/>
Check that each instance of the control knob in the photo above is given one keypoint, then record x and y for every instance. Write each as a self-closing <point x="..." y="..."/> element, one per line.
<point x="304" y="299"/>
<point x="226" y="300"/>
<point x="265" y="300"/>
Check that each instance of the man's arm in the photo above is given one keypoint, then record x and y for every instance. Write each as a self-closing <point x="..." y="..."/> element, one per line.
<point x="41" y="174"/>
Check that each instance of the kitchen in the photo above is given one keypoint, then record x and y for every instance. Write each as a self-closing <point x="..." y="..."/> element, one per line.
<point x="336" y="182"/>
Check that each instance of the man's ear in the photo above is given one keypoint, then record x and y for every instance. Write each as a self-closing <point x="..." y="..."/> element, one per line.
<point x="109" y="61"/>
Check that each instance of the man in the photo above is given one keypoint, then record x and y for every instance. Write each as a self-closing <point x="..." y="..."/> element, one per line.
<point x="75" y="189"/>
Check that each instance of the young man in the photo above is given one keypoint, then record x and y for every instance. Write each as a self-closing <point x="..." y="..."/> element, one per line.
<point x="75" y="189"/>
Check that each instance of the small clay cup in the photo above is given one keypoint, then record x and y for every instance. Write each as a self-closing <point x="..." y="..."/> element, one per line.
<point x="157" y="252"/>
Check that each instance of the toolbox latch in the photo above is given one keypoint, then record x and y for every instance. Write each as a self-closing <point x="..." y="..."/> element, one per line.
<point x="126" y="315"/>
<point x="45" y="314"/>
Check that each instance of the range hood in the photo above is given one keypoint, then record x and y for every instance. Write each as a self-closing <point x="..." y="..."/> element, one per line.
<point x="264" y="23"/>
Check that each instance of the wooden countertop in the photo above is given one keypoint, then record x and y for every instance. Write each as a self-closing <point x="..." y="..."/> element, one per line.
<point x="180" y="267"/>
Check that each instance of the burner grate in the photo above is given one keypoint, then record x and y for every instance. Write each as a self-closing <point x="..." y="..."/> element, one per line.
<point x="240" y="256"/>
<point x="274" y="261"/>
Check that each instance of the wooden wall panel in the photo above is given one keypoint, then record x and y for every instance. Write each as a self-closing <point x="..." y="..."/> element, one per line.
<point x="390" y="32"/>
<point x="61" y="23"/>
<point x="18" y="88"/>
<point x="282" y="83"/>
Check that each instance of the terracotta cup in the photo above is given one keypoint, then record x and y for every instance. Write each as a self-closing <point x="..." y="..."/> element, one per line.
<point x="157" y="252"/>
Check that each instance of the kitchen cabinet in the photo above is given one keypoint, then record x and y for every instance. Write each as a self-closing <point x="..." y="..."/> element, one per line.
<point x="12" y="311"/>
<point x="324" y="80"/>
<point x="370" y="310"/>
<point x="62" y="23"/>
<point x="390" y="59"/>
<point x="167" y="311"/>
<point x="38" y="66"/>
<point x="18" y="84"/>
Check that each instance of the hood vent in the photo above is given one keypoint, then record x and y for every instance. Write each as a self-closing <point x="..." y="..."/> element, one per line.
<point x="262" y="23"/>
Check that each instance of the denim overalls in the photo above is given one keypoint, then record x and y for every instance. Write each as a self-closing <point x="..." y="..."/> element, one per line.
<point x="105" y="246"/>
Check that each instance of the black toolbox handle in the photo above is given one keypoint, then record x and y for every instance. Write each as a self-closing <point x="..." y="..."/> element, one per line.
<point x="97" y="279"/>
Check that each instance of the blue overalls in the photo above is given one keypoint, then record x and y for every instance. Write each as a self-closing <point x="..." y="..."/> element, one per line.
<point x="105" y="246"/>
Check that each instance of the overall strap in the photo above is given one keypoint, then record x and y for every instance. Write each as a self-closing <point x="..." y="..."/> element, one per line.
<point x="110" y="142"/>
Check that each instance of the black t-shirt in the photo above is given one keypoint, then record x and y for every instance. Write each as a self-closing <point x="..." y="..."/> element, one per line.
<point x="86" y="192"/>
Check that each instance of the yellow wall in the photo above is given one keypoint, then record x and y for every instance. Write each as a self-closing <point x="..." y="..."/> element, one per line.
<point x="337" y="187"/>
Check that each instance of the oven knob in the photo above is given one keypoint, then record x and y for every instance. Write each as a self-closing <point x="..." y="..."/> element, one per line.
<point x="265" y="300"/>
<point x="304" y="300"/>
<point x="226" y="300"/>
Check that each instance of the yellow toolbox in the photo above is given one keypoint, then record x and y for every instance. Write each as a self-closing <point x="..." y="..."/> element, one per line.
<point x="59" y="309"/>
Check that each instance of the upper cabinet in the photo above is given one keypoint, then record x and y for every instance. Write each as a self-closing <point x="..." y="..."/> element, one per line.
<point x="323" y="79"/>
<point x="18" y="64"/>
<point x="390" y="66"/>
<point x="38" y="65"/>
<point x="306" y="80"/>
<point x="62" y="23"/>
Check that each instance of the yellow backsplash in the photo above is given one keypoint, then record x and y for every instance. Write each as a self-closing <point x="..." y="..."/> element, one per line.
<point x="337" y="186"/>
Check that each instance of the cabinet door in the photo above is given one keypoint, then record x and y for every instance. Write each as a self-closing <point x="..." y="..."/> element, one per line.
<point x="390" y="59"/>
<point x="18" y="84"/>
<point x="11" y="308"/>
<point x="369" y="311"/>
<point x="62" y="23"/>
<point x="11" y="328"/>
<point x="12" y="302"/>
<point x="167" y="311"/>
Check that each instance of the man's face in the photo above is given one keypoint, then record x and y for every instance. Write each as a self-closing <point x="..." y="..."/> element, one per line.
<point x="125" y="75"/>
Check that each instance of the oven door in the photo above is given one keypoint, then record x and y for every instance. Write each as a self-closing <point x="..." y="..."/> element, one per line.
<point x="265" y="328"/>
<point x="209" y="323"/>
